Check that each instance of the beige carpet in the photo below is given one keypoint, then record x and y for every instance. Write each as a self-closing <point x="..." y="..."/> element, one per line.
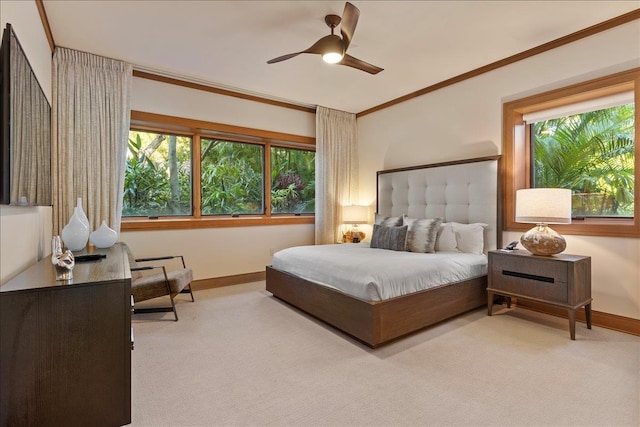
<point x="241" y="357"/>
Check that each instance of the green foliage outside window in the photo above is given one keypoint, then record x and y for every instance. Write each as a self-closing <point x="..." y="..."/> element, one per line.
<point x="158" y="180"/>
<point x="593" y="155"/>
<point x="232" y="178"/>
<point x="158" y="175"/>
<point x="293" y="188"/>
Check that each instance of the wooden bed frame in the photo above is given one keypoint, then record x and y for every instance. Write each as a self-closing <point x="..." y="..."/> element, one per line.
<point x="379" y="322"/>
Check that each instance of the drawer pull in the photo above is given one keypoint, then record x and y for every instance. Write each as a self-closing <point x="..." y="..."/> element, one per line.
<point x="528" y="276"/>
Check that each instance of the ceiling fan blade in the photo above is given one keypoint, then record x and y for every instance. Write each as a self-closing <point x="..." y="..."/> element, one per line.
<point x="321" y="45"/>
<point x="350" y="61"/>
<point x="348" y="25"/>
<point x="283" y="57"/>
<point x="318" y="47"/>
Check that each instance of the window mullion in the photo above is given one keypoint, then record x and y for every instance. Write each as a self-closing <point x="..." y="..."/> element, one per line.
<point x="530" y="155"/>
<point x="196" y="177"/>
<point x="267" y="179"/>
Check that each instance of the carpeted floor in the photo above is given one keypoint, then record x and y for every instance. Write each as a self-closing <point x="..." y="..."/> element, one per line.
<point x="241" y="357"/>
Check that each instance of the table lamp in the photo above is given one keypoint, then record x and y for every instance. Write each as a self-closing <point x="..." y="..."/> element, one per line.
<point x="355" y="215"/>
<point x="542" y="206"/>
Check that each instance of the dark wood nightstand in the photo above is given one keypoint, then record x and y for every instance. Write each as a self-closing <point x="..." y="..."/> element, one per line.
<point x="560" y="280"/>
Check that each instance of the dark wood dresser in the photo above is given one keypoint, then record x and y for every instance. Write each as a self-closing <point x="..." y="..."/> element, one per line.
<point x="65" y="348"/>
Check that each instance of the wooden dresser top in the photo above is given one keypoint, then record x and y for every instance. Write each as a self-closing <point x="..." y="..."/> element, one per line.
<point x="42" y="275"/>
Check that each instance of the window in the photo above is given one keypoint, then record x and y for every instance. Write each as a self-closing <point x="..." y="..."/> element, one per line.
<point x="157" y="180"/>
<point x="591" y="153"/>
<point x="293" y="188"/>
<point x="580" y="137"/>
<point x="232" y="178"/>
<point x="183" y="173"/>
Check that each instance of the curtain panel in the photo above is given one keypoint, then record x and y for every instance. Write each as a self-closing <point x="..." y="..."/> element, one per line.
<point x="90" y="129"/>
<point x="336" y="171"/>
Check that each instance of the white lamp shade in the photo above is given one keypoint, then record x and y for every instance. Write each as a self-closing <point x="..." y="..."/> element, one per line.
<point x="355" y="214"/>
<point x="543" y="205"/>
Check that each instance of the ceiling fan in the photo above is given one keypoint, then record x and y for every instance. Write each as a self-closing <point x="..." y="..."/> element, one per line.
<point x="333" y="48"/>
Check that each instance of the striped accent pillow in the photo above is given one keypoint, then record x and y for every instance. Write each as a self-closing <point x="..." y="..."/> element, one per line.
<point x="422" y="233"/>
<point x="394" y="238"/>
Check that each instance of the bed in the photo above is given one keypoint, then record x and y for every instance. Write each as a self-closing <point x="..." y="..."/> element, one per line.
<point x="463" y="192"/>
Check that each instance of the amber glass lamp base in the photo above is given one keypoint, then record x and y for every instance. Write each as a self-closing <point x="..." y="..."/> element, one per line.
<point x="348" y="237"/>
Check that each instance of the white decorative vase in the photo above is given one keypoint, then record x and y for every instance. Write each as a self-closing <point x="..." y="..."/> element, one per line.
<point x="103" y="236"/>
<point x="81" y="214"/>
<point x="75" y="234"/>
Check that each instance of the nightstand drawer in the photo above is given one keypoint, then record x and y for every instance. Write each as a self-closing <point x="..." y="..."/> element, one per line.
<point x="548" y="268"/>
<point x="540" y="285"/>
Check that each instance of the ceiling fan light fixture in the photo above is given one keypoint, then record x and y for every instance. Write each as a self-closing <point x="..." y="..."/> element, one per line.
<point x="332" y="49"/>
<point x="332" y="57"/>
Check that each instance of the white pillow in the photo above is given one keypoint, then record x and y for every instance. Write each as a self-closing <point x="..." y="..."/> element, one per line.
<point x="446" y="238"/>
<point x="470" y="237"/>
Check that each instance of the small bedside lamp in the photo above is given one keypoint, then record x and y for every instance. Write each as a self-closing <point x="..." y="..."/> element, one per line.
<point x="355" y="215"/>
<point x="543" y="206"/>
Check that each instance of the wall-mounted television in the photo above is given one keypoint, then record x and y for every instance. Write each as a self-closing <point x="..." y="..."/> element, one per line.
<point x="25" y="125"/>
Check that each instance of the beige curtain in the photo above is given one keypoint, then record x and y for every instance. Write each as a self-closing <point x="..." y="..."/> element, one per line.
<point x="90" y="127"/>
<point x="336" y="170"/>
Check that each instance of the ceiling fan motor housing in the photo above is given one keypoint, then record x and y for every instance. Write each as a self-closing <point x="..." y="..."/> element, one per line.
<point x="332" y="21"/>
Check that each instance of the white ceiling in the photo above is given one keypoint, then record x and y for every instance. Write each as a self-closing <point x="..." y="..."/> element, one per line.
<point x="227" y="43"/>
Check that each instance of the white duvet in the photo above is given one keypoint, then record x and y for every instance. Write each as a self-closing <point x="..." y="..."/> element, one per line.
<point x="377" y="274"/>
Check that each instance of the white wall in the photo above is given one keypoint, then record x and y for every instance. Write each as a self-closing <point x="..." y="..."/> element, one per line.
<point x="161" y="98"/>
<point x="25" y="233"/>
<point x="465" y="120"/>
<point x="25" y="238"/>
<point x="217" y="252"/>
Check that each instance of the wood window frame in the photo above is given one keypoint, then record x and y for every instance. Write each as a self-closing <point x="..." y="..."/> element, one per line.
<point x="516" y="164"/>
<point x="198" y="129"/>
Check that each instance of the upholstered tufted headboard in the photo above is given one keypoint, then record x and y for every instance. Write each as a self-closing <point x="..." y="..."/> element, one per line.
<point x="465" y="191"/>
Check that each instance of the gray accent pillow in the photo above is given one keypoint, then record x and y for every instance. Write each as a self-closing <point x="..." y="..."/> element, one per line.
<point x="422" y="233"/>
<point x="388" y="221"/>
<point x="394" y="238"/>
